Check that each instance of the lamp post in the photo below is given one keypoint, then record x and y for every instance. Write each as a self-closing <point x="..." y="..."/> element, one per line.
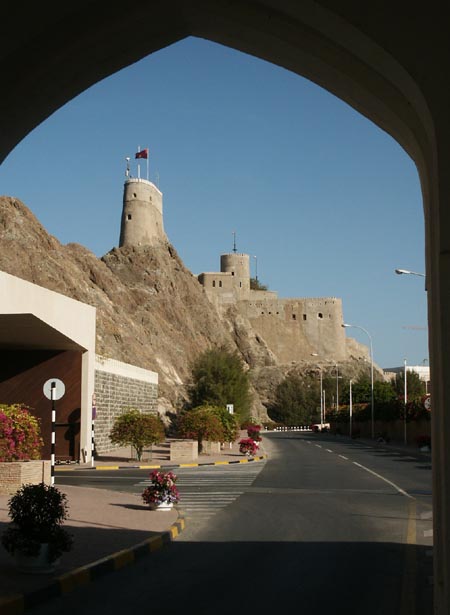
<point x="371" y="375"/>
<point x="406" y="403"/>
<point x="256" y="267"/>
<point x="408" y="272"/>
<point x="337" y="388"/>
<point x="314" y="354"/>
<point x="351" y="407"/>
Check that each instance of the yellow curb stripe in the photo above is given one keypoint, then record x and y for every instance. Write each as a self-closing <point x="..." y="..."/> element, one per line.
<point x="221" y="463"/>
<point x="188" y="465"/>
<point x="173" y="531"/>
<point x="12" y="605"/>
<point x="155" y="543"/>
<point x="148" y="467"/>
<point x="107" y="468"/>
<point x="71" y="580"/>
<point x="123" y="558"/>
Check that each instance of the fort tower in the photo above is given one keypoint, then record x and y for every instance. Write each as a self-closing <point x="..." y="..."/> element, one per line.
<point x="142" y="215"/>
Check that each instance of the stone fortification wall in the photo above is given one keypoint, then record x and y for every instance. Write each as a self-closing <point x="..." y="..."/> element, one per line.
<point x="294" y="329"/>
<point x="142" y="214"/>
<point x="119" y="386"/>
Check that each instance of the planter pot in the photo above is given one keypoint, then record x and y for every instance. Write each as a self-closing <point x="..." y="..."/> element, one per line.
<point x="36" y="564"/>
<point x="161" y="506"/>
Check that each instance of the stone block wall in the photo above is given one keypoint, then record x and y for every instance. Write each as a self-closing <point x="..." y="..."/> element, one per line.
<point x="14" y="474"/>
<point x="118" y="387"/>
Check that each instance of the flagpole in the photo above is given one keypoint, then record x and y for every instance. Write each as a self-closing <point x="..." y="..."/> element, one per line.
<point x="139" y="163"/>
<point x="147" y="165"/>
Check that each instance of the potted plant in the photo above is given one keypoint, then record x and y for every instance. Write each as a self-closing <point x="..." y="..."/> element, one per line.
<point x="247" y="446"/>
<point x="162" y="493"/>
<point x="35" y="537"/>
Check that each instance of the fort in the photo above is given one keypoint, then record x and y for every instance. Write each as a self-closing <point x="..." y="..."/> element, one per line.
<point x="294" y="329"/>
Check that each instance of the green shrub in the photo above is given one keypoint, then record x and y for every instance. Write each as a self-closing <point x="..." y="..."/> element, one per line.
<point x="200" y="424"/>
<point x="20" y="437"/>
<point x="137" y="430"/>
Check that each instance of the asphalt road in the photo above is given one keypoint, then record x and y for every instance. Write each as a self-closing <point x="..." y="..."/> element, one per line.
<point x="325" y="526"/>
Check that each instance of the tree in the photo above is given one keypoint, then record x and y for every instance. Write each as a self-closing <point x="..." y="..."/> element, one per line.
<point x="201" y="424"/>
<point x="137" y="430"/>
<point x="230" y="423"/>
<point x="218" y="379"/>
<point x="295" y="402"/>
<point x="415" y="387"/>
<point x="255" y="284"/>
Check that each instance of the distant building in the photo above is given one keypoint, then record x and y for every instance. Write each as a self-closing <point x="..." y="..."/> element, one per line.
<point x="423" y="371"/>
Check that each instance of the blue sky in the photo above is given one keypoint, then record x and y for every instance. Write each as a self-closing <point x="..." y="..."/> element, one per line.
<point x="328" y="203"/>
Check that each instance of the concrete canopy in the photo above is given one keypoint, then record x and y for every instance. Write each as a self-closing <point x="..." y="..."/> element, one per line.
<point x="26" y="332"/>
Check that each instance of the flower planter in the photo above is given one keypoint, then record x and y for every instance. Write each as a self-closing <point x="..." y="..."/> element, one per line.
<point x="163" y="506"/>
<point x="36" y="564"/>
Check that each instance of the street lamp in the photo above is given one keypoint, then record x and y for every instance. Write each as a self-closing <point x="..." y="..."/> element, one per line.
<point x="256" y="267"/>
<point x="371" y="373"/>
<point x="406" y="271"/>
<point x="314" y="354"/>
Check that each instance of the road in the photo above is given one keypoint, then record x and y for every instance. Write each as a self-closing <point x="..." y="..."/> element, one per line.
<point x="325" y="526"/>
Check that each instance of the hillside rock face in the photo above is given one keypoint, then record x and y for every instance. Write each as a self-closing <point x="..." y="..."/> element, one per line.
<point x="151" y="311"/>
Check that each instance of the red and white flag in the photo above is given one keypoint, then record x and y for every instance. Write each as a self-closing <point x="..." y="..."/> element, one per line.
<point x="142" y="154"/>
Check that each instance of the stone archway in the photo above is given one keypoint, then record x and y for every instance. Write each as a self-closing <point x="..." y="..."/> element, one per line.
<point x="388" y="64"/>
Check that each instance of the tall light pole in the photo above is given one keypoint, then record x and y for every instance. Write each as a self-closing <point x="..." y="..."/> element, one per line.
<point x="408" y="272"/>
<point x="371" y="375"/>
<point x="256" y="267"/>
<point x="314" y="354"/>
<point x="406" y="402"/>
<point x="351" y="407"/>
<point x="337" y="388"/>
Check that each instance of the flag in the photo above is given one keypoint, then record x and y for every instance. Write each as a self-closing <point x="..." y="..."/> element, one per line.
<point x="142" y="154"/>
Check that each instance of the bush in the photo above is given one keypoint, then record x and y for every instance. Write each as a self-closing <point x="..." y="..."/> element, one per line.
<point x="20" y="437"/>
<point x="247" y="446"/>
<point x="219" y="378"/>
<point x="201" y="424"/>
<point x="230" y="423"/>
<point x="137" y="430"/>
<point x="253" y="432"/>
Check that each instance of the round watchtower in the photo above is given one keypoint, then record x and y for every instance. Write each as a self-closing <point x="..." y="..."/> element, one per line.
<point x="142" y="216"/>
<point x="239" y="267"/>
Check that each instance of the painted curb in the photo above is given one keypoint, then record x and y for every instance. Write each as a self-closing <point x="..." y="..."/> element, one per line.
<point x="16" y="604"/>
<point x="157" y="467"/>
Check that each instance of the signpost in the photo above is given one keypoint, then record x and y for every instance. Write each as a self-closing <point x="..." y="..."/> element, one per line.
<point x="53" y="389"/>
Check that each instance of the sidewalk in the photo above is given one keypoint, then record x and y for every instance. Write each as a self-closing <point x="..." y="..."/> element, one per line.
<point x="111" y="529"/>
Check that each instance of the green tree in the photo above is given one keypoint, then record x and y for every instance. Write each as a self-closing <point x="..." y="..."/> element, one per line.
<point x="200" y="424"/>
<point x="218" y="379"/>
<point x="415" y="387"/>
<point x="230" y="423"/>
<point x="295" y="400"/>
<point x="137" y="430"/>
<point x="255" y="284"/>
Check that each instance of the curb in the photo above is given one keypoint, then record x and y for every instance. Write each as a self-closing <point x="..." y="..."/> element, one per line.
<point x="157" y="467"/>
<point x="17" y="604"/>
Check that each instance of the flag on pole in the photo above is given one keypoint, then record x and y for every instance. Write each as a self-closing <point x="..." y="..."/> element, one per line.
<point x="142" y="154"/>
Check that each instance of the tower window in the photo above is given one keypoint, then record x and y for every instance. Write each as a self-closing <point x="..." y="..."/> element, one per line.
<point x="320" y="315"/>
<point x="214" y="283"/>
<point x="304" y="316"/>
<point x="240" y="284"/>
<point x="129" y="217"/>
<point x="232" y="273"/>
<point x="220" y="283"/>
<point x="294" y="317"/>
<point x="134" y="194"/>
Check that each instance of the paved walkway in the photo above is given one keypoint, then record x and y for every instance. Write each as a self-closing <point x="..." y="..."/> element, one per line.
<point x="110" y="529"/>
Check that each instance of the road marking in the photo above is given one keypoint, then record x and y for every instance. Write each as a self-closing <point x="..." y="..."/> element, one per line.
<point x="328" y="450"/>
<point x="389" y="482"/>
<point x="427" y="515"/>
<point x="428" y="533"/>
<point x="343" y="457"/>
<point x="319" y="445"/>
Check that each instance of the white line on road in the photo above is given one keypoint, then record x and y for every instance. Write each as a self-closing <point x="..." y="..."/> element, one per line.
<point x="343" y="457"/>
<point x="319" y="445"/>
<point x="399" y="489"/>
<point x="427" y="515"/>
<point x="328" y="450"/>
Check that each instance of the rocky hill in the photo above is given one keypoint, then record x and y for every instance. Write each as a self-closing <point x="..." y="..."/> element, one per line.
<point x="151" y="311"/>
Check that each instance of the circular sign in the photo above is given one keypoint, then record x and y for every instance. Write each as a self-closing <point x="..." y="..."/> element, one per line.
<point x="427" y="403"/>
<point x="54" y="388"/>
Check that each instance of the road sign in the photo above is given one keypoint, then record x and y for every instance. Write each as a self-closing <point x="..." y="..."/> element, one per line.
<point x="427" y="403"/>
<point x="230" y="408"/>
<point x="58" y="388"/>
